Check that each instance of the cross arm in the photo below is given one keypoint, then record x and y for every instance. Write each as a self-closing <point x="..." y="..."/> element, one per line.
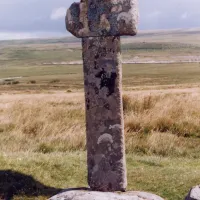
<point x="96" y="18"/>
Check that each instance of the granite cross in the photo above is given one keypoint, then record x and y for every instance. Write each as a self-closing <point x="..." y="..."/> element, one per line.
<point x="100" y="23"/>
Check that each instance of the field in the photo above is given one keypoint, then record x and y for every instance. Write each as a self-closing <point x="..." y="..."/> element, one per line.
<point x="42" y="115"/>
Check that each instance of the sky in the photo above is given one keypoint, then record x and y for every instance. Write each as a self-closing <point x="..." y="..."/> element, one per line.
<point x="20" y="19"/>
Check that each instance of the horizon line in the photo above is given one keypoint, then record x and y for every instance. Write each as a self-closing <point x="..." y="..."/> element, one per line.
<point x="16" y="36"/>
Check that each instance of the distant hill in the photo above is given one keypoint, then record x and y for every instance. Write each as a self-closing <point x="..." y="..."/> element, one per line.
<point x="185" y="36"/>
<point x="40" y="41"/>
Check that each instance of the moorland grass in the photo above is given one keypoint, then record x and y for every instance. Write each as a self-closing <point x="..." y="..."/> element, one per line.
<point x="71" y="76"/>
<point x="43" y="136"/>
<point x="42" y="125"/>
<point x="167" y="177"/>
<point x="161" y="124"/>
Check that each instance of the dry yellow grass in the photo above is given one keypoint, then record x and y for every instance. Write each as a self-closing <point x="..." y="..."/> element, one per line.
<point x="43" y="122"/>
<point x="156" y="122"/>
<point x="177" y="113"/>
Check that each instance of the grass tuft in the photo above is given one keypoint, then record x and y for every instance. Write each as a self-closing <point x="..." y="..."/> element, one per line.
<point x="155" y="124"/>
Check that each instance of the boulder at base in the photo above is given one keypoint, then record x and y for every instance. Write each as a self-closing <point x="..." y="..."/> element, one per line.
<point x="91" y="195"/>
<point x="194" y="193"/>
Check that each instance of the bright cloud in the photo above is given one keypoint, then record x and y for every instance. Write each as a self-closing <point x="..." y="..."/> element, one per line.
<point x="29" y="35"/>
<point x="24" y="18"/>
<point x="154" y="14"/>
<point x="184" y="15"/>
<point x="58" y="13"/>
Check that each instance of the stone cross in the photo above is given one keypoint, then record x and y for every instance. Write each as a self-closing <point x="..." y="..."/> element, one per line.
<point x="101" y="23"/>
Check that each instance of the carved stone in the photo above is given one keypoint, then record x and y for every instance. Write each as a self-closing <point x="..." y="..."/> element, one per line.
<point x="100" y="23"/>
<point x="104" y="114"/>
<point x="96" y="18"/>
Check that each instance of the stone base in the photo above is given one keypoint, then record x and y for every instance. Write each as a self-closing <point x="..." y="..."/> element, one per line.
<point x="194" y="193"/>
<point x="75" y="194"/>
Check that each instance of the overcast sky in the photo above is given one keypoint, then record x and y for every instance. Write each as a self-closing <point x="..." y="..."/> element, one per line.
<point x="45" y="18"/>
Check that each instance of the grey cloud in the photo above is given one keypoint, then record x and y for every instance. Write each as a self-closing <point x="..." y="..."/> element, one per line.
<point x="170" y="14"/>
<point x="30" y="15"/>
<point x="35" y="15"/>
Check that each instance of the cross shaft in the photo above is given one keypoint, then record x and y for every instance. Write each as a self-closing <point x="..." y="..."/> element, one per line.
<point x="104" y="114"/>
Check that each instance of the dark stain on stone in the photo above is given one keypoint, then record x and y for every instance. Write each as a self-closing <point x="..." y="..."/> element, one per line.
<point x="110" y="186"/>
<point x="107" y="80"/>
<point x="96" y="90"/>
<point x="102" y="51"/>
<point x="87" y="103"/>
<point x="107" y="106"/>
<point x="96" y="66"/>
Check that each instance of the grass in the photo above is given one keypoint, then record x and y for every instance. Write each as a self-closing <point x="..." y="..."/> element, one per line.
<point x="168" y="177"/>
<point x="71" y="76"/>
<point x="163" y="113"/>
<point x="156" y="124"/>
<point x="28" y="59"/>
<point x="42" y="118"/>
<point x="43" y="136"/>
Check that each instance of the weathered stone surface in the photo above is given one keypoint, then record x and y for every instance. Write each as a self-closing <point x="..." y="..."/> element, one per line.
<point x="88" y="195"/>
<point x="100" y="23"/>
<point x="104" y="114"/>
<point x="194" y="194"/>
<point x="96" y="18"/>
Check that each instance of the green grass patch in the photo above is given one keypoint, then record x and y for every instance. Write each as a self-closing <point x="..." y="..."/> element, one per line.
<point x="170" y="178"/>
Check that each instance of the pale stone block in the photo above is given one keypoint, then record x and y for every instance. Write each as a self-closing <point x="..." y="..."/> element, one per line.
<point x="89" y="195"/>
<point x="194" y="193"/>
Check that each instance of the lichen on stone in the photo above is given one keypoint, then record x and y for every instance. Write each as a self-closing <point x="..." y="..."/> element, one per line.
<point x="105" y="138"/>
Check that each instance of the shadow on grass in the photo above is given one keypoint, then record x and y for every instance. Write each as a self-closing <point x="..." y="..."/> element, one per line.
<point x="14" y="183"/>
